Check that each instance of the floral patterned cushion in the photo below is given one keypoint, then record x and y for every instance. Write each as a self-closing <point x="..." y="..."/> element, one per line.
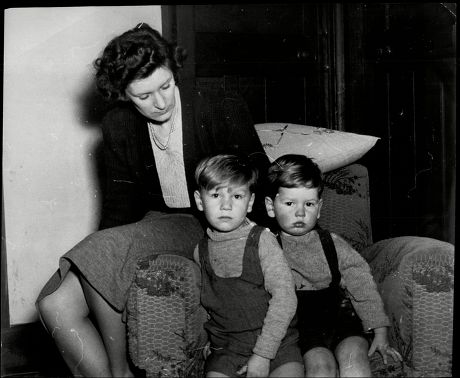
<point x="330" y="149"/>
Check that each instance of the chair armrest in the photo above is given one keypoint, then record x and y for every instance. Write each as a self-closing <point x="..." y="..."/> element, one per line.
<point x="415" y="277"/>
<point x="165" y="318"/>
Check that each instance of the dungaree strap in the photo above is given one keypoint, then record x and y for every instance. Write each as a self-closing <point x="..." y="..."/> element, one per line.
<point x="202" y="249"/>
<point x="331" y="254"/>
<point x="329" y="250"/>
<point x="252" y="243"/>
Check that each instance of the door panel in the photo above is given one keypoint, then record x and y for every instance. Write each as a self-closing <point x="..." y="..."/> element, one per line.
<point x="403" y="91"/>
<point x="269" y="52"/>
<point x="384" y="69"/>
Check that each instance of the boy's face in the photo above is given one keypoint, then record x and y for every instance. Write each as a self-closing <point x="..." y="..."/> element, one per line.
<point x="296" y="209"/>
<point x="225" y="206"/>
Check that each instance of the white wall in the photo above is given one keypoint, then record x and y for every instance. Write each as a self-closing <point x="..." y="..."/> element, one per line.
<point x="49" y="136"/>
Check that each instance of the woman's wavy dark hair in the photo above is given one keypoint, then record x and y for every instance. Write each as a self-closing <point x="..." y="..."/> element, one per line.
<point x="134" y="55"/>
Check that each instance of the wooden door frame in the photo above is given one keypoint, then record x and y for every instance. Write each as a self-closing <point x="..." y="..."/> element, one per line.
<point x="331" y="62"/>
<point x="178" y="22"/>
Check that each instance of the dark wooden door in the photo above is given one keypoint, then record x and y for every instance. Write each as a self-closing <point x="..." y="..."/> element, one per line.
<point x="401" y="61"/>
<point x="276" y="55"/>
<point x="383" y="69"/>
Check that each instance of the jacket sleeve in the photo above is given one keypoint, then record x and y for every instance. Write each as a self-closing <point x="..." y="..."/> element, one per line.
<point x="279" y="283"/>
<point x="123" y="201"/>
<point x="360" y="284"/>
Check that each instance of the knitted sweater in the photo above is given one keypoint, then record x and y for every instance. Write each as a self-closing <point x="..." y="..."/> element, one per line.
<point x="311" y="271"/>
<point x="212" y="122"/>
<point x="226" y="250"/>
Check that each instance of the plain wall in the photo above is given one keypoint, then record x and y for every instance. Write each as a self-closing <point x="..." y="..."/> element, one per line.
<point x="51" y="137"/>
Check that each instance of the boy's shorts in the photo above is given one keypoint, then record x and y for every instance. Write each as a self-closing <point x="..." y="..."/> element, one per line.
<point x="227" y="362"/>
<point x="328" y="333"/>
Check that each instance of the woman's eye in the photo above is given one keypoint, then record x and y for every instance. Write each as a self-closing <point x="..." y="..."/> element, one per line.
<point x="164" y="87"/>
<point x="143" y="97"/>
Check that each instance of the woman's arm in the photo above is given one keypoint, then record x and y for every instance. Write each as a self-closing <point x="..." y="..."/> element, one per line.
<point x="124" y="202"/>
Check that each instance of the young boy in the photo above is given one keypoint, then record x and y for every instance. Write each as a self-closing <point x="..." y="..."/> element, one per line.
<point x="247" y="286"/>
<point x="324" y="265"/>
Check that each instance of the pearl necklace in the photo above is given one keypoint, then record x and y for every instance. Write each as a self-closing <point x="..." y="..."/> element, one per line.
<point x="156" y="139"/>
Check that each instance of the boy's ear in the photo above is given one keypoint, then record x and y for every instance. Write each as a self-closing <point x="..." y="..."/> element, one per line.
<point x="198" y="201"/>
<point x="269" y="207"/>
<point x="320" y="205"/>
<point x="251" y="202"/>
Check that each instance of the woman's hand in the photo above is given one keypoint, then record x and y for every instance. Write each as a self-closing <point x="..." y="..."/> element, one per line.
<point x="380" y="344"/>
<point x="257" y="366"/>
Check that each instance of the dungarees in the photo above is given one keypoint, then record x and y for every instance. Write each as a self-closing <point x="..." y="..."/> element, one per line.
<point x="237" y="307"/>
<point x="325" y="317"/>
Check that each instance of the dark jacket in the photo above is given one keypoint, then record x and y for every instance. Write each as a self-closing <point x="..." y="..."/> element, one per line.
<point x="212" y="122"/>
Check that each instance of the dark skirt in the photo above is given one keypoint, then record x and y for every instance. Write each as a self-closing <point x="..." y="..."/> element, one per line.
<point x="107" y="259"/>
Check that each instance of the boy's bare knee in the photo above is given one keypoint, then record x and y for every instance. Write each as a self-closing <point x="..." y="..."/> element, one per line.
<point x="320" y="362"/>
<point x="352" y="357"/>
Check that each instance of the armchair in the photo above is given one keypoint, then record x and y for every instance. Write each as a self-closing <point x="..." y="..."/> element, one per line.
<point x="414" y="275"/>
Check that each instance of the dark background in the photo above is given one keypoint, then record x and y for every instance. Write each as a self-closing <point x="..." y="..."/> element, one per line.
<point x="382" y="69"/>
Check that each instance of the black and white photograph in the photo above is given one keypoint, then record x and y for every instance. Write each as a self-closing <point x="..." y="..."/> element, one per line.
<point x="228" y="190"/>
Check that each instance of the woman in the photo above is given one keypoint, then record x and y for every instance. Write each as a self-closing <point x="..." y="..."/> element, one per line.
<point x="153" y="138"/>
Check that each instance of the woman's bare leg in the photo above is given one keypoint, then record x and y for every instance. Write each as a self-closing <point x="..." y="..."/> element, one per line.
<point x="113" y="331"/>
<point x="65" y="315"/>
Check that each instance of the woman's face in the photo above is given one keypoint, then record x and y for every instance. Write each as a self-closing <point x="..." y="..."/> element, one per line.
<point x="154" y="95"/>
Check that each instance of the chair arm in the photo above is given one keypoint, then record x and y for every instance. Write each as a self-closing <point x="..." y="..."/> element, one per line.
<point x="164" y="317"/>
<point x="415" y="277"/>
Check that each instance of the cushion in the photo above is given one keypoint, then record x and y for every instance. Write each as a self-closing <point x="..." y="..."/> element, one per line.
<point x="330" y="149"/>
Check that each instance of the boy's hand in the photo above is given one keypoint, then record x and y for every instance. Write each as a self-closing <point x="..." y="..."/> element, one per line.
<point x="257" y="366"/>
<point x="380" y="344"/>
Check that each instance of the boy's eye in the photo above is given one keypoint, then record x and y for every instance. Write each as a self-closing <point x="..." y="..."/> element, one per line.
<point x="289" y="203"/>
<point x="310" y="204"/>
<point x="238" y="196"/>
<point x="215" y="195"/>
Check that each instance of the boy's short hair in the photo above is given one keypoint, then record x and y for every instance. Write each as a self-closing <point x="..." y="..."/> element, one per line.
<point x="293" y="171"/>
<point x="226" y="168"/>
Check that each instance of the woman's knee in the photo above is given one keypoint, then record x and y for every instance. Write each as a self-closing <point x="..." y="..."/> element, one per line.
<point x="320" y="362"/>
<point x="66" y="301"/>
